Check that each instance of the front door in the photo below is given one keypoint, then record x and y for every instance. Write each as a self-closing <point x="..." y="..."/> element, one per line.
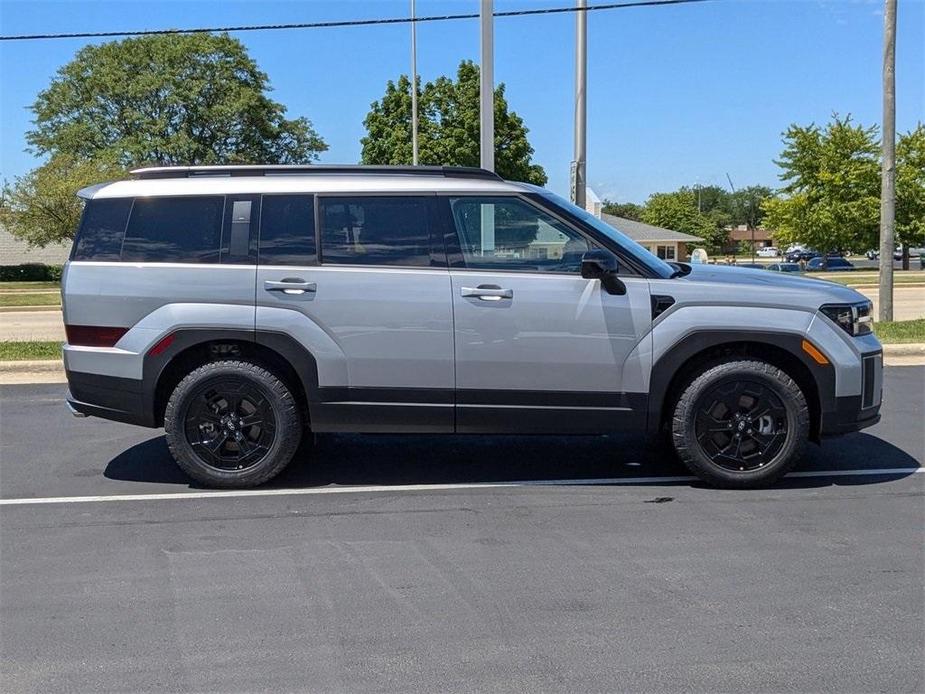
<point x="373" y="307"/>
<point x="539" y="348"/>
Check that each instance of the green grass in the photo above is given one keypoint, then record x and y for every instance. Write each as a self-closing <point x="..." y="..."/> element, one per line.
<point x="900" y="331"/>
<point x="22" y="351"/>
<point x="869" y="278"/>
<point x="29" y="285"/>
<point x="23" y="299"/>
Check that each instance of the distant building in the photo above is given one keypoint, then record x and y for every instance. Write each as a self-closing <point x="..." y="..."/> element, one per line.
<point x="667" y="244"/>
<point x="743" y="235"/>
<point x="14" y="251"/>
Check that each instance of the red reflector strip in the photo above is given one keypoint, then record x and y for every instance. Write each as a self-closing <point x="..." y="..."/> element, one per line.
<point x="93" y="336"/>
<point x="162" y="345"/>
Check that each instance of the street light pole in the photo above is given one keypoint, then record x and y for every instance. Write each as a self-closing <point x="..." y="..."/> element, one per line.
<point x="579" y="182"/>
<point x="487" y="87"/>
<point x="414" y="88"/>
<point x="888" y="171"/>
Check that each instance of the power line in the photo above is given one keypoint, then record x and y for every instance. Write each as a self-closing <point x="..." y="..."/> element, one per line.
<point x="348" y="23"/>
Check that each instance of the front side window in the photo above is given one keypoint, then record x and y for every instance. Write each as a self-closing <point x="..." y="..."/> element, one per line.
<point x="101" y="229"/>
<point x="374" y="230"/>
<point x="507" y="233"/>
<point x="174" y="230"/>
<point x="287" y="230"/>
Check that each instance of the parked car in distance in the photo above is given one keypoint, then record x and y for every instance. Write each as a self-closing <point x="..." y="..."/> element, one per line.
<point x="875" y="254"/>
<point x="828" y="264"/>
<point x="768" y="252"/>
<point x="801" y="254"/>
<point x="785" y="267"/>
<point x="247" y="308"/>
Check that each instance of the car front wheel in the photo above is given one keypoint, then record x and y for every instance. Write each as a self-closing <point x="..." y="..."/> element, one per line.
<point x="232" y="424"/>
<point x="740" y="424"/>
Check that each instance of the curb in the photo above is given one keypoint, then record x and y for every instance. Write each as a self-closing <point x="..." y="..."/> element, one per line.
<point x="909" y="349"/>
<point x="32" y="366"/>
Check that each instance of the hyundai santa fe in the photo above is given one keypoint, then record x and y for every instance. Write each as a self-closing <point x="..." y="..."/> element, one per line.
<point x="242" y="308"/>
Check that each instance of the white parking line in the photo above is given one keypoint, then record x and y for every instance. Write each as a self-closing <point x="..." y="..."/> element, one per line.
<point x="372" y="489"/>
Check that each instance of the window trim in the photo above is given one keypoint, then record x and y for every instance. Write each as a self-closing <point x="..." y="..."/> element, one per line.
<point x="457" y="260"/>
<point x="438" y="258"/>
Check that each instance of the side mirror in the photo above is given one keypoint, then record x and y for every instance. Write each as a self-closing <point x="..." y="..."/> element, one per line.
<point x="598" y="264"/>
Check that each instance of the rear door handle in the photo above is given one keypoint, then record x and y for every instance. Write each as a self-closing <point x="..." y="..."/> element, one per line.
<point x="488" y="292"/>
<point x="290" y="285"/>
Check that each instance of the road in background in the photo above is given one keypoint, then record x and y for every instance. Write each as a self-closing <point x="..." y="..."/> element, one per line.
<point x="812" y="585"/>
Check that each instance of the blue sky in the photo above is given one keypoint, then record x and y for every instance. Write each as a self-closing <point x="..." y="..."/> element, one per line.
<point x="677" y="95"/>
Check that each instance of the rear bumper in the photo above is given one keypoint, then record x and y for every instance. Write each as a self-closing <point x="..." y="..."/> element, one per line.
<point x="109" y="397"/>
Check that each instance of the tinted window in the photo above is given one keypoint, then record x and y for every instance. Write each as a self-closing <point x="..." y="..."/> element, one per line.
<point x="101" y="229"/>
<point x="287" y="230"/>
<point x="376" y="230"/>
<point x="174" y="230"/>
<point x="510" y="234"/>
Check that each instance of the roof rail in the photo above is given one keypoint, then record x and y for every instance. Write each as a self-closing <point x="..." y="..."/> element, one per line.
<point x="309" y="169"/>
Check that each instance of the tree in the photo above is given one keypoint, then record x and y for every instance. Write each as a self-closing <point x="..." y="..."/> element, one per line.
<point x="41" y="207"/>
<point x="910" y="190"/>
<point x="170" y="99"/>
<point x="678" y="211"/>
<point x="626" y="210"/>
<point x="832" y="194"/>
<point x="448" y="130"/>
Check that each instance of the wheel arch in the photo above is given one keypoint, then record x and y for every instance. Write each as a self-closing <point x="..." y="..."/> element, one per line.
<point x="680" y="364"/>
<point x="187" y="349"/>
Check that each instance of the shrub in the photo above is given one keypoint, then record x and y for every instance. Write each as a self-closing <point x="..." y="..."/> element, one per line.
<point x="30" y="272"/>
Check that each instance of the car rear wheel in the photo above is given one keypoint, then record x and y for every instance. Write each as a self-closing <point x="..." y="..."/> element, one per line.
<point x="232" y="424"/>
<point x="740" y="424"/>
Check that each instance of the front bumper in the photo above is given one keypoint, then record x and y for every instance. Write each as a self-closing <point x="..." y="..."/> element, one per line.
<point x="855" y="412"/>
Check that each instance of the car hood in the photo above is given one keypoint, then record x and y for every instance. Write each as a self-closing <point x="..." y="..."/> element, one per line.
<point x="764" y="287"/>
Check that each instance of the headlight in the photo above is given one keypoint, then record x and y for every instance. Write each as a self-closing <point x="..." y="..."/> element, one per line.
<point x="854" y="319"/>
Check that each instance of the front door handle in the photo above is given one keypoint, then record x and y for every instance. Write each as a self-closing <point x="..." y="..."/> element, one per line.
<point x="290" y="285"/>
<point x="488" y="292"/>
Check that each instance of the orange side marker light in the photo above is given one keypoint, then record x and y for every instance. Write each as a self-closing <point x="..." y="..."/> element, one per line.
<point x="812" y="351"/>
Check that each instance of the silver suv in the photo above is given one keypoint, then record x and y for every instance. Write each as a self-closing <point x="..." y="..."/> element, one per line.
<point x="241" y="307"/>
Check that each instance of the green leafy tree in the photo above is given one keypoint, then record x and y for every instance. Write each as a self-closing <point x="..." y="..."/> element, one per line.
<point x="910" y="189"/>
<point x="831" y="196"/>
<point x="41" y="207"/>
<point x="448" y="127"/>
<point x="626" y="210"/>
<point x="678" y="211"/>
<point x="172" y="99"/>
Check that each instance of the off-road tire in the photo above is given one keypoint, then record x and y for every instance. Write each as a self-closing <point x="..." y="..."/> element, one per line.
<point x="285" y="411"/>
<point x="691" y="452"/>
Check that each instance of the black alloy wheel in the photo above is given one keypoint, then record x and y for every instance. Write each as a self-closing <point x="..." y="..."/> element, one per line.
<point x="229" y="424"/>
<point x="740" y="425"/>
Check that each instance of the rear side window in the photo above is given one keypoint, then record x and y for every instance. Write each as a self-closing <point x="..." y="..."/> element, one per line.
<point x="287" y="230"/>
<point x="376" y="230"/>
<point x="101" y="229"/>
<point x="174" y="230"/>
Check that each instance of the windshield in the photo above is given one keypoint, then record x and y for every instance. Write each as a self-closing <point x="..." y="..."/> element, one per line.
<point x="638" y="252"/>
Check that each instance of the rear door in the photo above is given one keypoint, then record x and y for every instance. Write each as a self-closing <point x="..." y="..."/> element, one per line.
<point x="539" y="348"/>
<point x="359" y="281"/>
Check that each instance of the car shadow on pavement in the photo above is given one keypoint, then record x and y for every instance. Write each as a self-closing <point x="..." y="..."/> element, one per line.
<point x="351" y="459"/>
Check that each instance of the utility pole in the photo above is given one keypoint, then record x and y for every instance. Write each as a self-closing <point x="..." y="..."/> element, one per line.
<point x="888" y="171"/>
<point x="579" y="181"/>
<point x="487" y="87"/>
<point x="414" y="88"/>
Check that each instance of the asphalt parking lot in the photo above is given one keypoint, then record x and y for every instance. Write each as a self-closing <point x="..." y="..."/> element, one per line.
<point x="424" y="564"/>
